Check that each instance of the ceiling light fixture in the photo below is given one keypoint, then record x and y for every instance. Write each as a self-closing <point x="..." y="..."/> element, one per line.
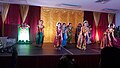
<point x="110" y="10"/>
<point x="102" y="1"/>
<point x="70" y="5"/>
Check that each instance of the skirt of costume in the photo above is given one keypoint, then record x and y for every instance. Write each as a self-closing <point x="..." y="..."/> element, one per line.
<point x="39" y="38"/>
<point x="57" y="41"/>
<point x="69" y="38"/>
<point x="64" y="41"/>
<point x="81" y="42"/>
<point x="104" y="43"/>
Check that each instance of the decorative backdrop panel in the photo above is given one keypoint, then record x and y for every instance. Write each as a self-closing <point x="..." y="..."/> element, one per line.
<point x="51" y="16"/>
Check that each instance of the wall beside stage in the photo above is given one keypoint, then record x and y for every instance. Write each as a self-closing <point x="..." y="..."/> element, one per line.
<point x="117" y="19"/>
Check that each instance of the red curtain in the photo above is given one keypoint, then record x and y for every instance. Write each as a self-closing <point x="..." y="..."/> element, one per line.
<point x="103" y="24"/>
<point x="32" y="20"/>
<point x="0" y="25"/>
<point x="12" y="21"/>
<point x="88" y="15"/>
<point x="14" y="18"/>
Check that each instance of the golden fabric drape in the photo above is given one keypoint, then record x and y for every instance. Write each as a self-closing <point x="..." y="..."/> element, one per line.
<point x="5" y="9"/>
<point x="24" y="11"/>
<point x="96" y="19"/>
<point x="51" y="16"/>
<point x="110" y="18"/>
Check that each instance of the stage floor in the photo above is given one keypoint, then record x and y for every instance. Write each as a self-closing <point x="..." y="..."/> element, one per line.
<point x="48" y="49"/>
<point x="32" y="56"/>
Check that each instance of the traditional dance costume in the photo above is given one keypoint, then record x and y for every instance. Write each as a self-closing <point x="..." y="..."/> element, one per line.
<point x="64" y="37"/>
<point x="110" y="37"/>
<point x="69" y="34"/>
<point x="82" y="38"/>
<point x="40" y="37"/>
<point x="57" y="40"/>
<point x="104" y="41"/>
<point x="88" y="38"/>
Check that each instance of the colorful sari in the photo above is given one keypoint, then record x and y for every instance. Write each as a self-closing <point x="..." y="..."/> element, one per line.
<point x="57" y="40"/>
<point x="64" y="37"/>
<point x="69" y="34"/>
<point x="82" y="39"/>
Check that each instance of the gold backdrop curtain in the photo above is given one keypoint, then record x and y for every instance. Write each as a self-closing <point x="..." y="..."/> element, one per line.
<point x="110" y="18"/>
<point x="5" y="8"/>
<point x="96" y="19"/>
<point x="51" y="16"/>
<point x="24" y="11"/>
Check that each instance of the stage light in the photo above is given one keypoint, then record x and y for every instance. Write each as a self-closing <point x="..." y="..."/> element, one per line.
<point x="23" y="34"/>
<point x="96" y="36"/>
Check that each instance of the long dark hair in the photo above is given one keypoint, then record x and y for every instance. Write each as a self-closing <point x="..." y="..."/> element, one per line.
<point x="57" y="25"/>
<point x="63" y="24"/>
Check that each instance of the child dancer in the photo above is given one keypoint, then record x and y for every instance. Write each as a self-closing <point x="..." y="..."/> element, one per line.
<point x="40" y="34"/>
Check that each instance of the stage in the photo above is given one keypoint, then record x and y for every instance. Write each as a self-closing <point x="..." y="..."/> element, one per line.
<point x="48" y="49"/>
<point x="33" y="56"/>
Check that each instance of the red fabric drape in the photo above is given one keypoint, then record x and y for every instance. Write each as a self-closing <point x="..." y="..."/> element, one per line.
<point x="102" y="25"/>
<point x="12" y="21"/>
<point x="32" y="20"/>
<point x="0" y="26"/>
<point x="88" y="15"/>
<point x="14" y="18"/>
